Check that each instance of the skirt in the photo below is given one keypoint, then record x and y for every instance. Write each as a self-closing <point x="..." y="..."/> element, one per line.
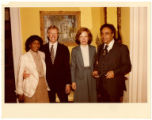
<point x="40" y="95"/>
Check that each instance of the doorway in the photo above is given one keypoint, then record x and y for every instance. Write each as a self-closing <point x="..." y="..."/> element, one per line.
<point x="10" y="96"/>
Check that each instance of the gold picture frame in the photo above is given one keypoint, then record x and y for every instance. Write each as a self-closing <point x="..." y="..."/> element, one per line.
<point x="68" y="23"/>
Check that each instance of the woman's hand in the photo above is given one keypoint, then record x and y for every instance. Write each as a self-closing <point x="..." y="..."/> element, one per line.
<point x="25" y="75"/>
<point x="67" y="89"/>
<point x="95" y="74"/>
<point x="74" y="85"/>
<point x="110" y="74"/>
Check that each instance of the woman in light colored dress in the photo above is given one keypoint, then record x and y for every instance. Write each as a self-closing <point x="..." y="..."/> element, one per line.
<point x="82" y="60"/>
<point x="34" y="88"/>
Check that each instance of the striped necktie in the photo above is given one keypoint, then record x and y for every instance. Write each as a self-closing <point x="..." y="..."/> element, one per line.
<point x="105" y="51"/>
<point x="52" y="54"/>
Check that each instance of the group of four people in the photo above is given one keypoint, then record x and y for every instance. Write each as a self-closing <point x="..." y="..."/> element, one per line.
<point x="42" y="75"/>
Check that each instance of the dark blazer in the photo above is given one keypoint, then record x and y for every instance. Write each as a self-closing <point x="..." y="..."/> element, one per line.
<point x="57" y="74"/>
<point x="118" y="60"/>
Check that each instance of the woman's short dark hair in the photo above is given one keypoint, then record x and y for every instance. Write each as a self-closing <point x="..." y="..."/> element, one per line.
<point x="32" y="39"/>
<point x="111" y="27"/>
<point x="83" y="29"/>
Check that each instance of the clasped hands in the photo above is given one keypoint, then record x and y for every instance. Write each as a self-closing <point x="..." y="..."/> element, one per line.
<point x="109" y="74"/>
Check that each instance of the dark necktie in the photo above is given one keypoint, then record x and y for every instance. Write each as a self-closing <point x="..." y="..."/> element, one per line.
<point x="105" y="51"/>
<point x="52" y="54"/>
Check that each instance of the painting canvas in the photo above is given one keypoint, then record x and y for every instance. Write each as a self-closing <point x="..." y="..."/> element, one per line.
<point x="67" y="22"/>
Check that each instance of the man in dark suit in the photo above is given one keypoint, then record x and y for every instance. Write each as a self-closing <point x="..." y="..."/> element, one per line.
<point x="112" y="64"/>
<point x="57" y="58"/>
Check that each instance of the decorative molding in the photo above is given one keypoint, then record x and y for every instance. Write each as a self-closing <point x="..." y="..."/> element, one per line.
<point x="105" y="14"/>
<point x="119" y="18"/>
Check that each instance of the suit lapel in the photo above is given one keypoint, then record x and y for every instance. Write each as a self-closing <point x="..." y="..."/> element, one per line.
<point x="47" y="54"/>
<point x="42" y="59"/>
<point x="90" y="55"/>
<point x="113" y="48"/>
<point x="33" y="69"/>
<point x="80" y="56"/>
<point x="48" y="50"/>
<point x="100" y="50"/>
<point x="57" y="52"/>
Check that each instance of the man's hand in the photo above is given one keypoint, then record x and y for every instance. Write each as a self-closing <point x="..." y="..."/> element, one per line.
<point x="67" y="89"/>
<point x="21" y="98"/>
<point x="95" y="74"/>
<point x="110" y="74"/>
<point x="74" y="85"/>
<point x="25" y="75"/>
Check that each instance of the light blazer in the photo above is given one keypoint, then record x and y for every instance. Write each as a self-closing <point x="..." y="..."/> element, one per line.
<point x="28" y="86"/>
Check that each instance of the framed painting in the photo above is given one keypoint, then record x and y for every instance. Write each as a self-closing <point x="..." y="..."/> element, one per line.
<point x="68" y="23"/>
